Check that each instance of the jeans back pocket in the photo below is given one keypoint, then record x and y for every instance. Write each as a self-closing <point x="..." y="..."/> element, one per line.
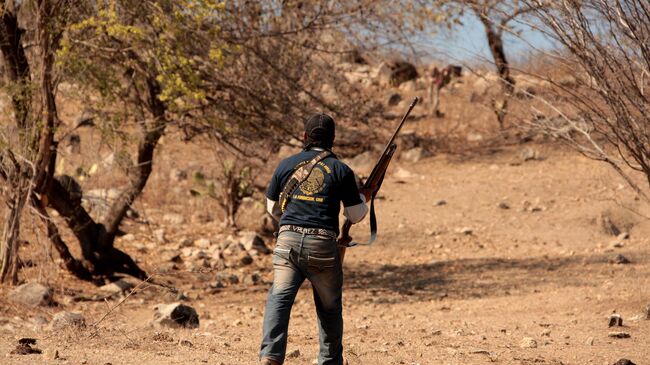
<point x="321" y="263"/>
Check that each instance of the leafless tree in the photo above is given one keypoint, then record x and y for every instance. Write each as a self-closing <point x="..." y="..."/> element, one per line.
<point x="606" y="115"/>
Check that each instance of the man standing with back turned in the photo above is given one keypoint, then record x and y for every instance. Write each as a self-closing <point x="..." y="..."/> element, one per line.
<point x="305" y="195"/>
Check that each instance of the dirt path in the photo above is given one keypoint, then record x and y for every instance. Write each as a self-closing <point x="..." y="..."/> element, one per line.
<point x="515" y="251"/>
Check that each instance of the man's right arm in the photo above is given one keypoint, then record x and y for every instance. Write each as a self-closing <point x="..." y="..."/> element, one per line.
<point x="273" y="195"/>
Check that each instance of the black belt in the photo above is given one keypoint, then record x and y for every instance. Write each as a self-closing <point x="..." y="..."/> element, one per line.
<point x="304" y="230"/>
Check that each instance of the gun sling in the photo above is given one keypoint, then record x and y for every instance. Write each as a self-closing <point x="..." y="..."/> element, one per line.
<point x="298" y="177"/>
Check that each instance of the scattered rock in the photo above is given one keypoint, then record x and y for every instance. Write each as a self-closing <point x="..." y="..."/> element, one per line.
<point x="245" y="259"/>
<point x="175" y="315"/>
<point x="202" y="243"/>
<point x="251" y="241"/>
<point x="177" y="175"/>
<point x="608" y="225"/>
<point x="590" y="341"/>
<point x="52" y="354"/>
<point x="119" y="286"/>
<point x="24" y="347"/>
<point x="414" y="154"/>
<point x="474" y="137"/>
<point x="647" y="312"/>
<point x="32" y="295"/>
<point x="394" y="99"/>
<point x="65" y="319"/>
<point x="174" y="218"/>
<point x="409" y="86"/>
<point x="440" y="202"/>
<point x="528" y="154"/>
<point x="362" y="163"/>
<point x="401" y="173"/>
<point x="615" y="320"/>
<point x="528" y="343"/>
<point x="624" y="362"/>
<point x="465" y="230"/>
<point x="504" y="205"/>
<point x="293" y="354"/>
<point x="160" y="236"/>
<point x="620" y="260"/>
<point x="619" y="335"/>
<point x="252" y="279"/>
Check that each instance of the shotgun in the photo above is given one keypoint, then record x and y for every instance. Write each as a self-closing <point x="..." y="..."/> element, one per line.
<point x="373" y="183"/>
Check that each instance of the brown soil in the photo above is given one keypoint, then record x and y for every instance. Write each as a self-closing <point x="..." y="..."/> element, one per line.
<point x="457" y="283"/>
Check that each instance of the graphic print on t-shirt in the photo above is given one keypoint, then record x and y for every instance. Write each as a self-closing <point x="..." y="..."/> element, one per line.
<point x="314" y="184"/>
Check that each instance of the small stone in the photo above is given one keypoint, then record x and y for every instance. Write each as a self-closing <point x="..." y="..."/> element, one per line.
<point x="504" y="205"/>
<point x="174" y="218"/>
<point x="293" y="354"/>
<point x="619" y="335"/>
<point x="393" y="99"/>
<point x="202" y="243"/>
<point x="65" y="319"/>
<point x="252" y="241"/>
<point x="528" y="343"/>
<point x="546" y="332"/>
<point x="32" y="295"/>
<point x="615" y="320"/>
<point x="620" y="260"/>
<point x="119" y="286"/>
<point x="175" y="315"/>
<point x="52" y="354"/>
<point x="623" y="236"/>
<point x="245" y="259"/>
<point x="24" y="347"/>
<point x="252" y="279"/>
<point x="624" y="362"/>
<point x="160" y="236"/>
<point x="185" y="242"/>
<point x="528" y="154"/>
<point x="590" y="341"/>
<point x="647" y="312"/>
<point x="465" y="230"/>
<point x="414" y="154"/>
<point x="128" y="237"/>
<point x="440" y="202"/>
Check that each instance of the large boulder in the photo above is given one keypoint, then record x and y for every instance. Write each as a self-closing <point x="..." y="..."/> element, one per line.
<point x="32" y="295"/>
<point x="65" y="319"/>
<point x="252" y="241"/>
<point x="175" y="315"/>
<point x="395" y="73"/>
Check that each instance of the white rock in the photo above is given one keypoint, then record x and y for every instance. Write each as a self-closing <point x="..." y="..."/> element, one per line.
<point x="32" y="295"/>
<point x="175" y="315"/>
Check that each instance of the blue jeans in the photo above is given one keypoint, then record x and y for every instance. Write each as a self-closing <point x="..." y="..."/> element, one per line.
<point x="297" y="257"/>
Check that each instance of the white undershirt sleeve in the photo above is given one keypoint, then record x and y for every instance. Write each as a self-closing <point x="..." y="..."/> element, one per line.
<point x="273" y="208"/>
<point x="357" y="212"/>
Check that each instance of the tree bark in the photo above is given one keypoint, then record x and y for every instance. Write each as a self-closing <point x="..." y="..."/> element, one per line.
<point x="495" y="43"/>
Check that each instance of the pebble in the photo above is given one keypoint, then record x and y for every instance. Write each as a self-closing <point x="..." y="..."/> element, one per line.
<point x="619" y="335"/>
<point x="504" y="205"/>
<point x="440" y="202"/>
<point x="624" y="362"/>
<point x="293" y="354"/>
<point x="528" y="343"/>
<point x="615" y="320"/>
<point x="590" y="341"/>
<point x="620" y="260"/>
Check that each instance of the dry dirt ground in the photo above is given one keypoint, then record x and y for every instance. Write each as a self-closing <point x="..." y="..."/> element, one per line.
<point x="475" y="254"/>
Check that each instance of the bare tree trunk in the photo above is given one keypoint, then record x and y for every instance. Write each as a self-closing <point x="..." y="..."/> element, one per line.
<point x="495" y="42"/>
<point x="11" y="234"/>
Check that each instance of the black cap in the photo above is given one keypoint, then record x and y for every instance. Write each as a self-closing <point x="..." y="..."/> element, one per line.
<point x="320" y="130"/>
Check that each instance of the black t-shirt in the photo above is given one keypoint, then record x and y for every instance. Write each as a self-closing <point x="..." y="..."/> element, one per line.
<point x="317" y="201"/>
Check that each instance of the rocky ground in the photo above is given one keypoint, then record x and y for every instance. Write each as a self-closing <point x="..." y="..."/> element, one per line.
<point x="507" y="257"/>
